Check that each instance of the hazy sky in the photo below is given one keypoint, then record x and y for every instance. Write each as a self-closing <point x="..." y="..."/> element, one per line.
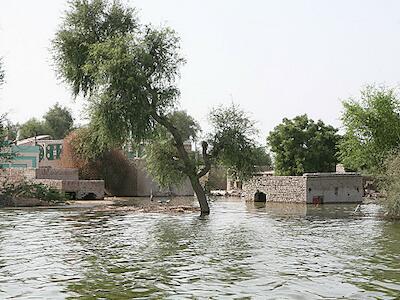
<point x="276" y="58"/>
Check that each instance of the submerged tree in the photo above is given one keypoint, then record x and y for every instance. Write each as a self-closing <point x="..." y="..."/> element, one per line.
<point x="301" y="145"/>
<point x="128" y="72"/>
<point x="372" y="127"/>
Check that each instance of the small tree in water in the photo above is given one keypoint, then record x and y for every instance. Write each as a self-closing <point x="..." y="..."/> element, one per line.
<point x="128" y="73"/>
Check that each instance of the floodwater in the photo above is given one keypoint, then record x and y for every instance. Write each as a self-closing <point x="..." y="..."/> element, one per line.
<point x="241" y="250"/>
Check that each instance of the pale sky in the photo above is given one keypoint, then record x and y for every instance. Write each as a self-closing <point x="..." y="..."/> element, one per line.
<point x="276" y="58"/>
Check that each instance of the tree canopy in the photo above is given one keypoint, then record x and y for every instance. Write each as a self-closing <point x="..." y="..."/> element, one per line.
<point x="301" y="145"/>
<point x="32" y="127"/>
<point x="57" y="122"/>
<point x="372" y="129"/>
<point x="128" y="72"/>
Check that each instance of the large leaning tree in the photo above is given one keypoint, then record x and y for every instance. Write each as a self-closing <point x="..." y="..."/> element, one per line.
<point x="301" y="145"/>
<point x="128" y="72"/>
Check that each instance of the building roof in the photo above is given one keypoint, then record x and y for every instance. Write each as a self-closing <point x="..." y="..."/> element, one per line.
<point x="345" y="174"/>
<point x="33" y="139"/>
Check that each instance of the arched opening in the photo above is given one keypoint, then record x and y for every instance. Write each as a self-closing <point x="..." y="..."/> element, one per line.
<point x="260" y="197"/>
<point x="70" y="195"/>
<point x="89" y="196"/>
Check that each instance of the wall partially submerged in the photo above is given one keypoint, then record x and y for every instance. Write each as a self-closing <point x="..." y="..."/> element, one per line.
<point x="309" y="188"/>
<point x="334" y="187"/>
<point x="277" y="188"/>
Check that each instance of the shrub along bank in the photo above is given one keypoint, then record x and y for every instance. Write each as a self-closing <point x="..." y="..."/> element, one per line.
<point x="26" y="193"/>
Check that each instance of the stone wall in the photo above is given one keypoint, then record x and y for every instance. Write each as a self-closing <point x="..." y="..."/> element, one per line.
<point x="57" y="173"/>
<point x="58" y="179"/>
<point x="277" y="188"/>
<point x="82" y="189"/>
<point x="16" y="175"/>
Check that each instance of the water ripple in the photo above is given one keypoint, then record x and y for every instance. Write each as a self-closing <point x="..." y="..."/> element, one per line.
<point x="241" y="250"/>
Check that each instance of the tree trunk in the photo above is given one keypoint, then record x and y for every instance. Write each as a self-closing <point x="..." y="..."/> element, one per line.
<point x="200" y="194"/>
<point x="190" y="169"/>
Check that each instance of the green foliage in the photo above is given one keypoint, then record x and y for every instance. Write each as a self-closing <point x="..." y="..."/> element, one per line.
<point x="232" y="140"/>
<point x="5" y="154"/>
<point x="27" y="189"/>
<point x="188" y="127"/>
<point x="59" y="121"/>
<point x="89" y="27"/>
<point x="301" y="145"/>
<point x="162" y="158"/>
<point x="263" y="158"/>
<point x="33" y="127"/>
<point x="127" y="71"/>
<point x="390" y="184"/>
<point x="90" y="143"/>
<point x="163" y="163"/>
<point x="11" y="129"/>
<point x="372" y="127"/>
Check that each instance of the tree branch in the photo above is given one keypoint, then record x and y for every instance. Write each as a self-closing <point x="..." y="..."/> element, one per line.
<point x="206" y="159"/>
<point x="183" y="155"/>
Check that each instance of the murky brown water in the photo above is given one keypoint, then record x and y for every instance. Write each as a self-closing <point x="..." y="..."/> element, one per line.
<point x="240" y="250"/>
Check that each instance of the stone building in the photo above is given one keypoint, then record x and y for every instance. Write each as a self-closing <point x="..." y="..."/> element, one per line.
<point x="309" y="188"/>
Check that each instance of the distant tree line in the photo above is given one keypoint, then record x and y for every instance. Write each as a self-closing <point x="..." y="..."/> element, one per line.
<point x="57" y="122"/>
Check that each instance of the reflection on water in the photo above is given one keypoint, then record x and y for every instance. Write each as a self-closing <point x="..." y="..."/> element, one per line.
<point x="242" y="249"/>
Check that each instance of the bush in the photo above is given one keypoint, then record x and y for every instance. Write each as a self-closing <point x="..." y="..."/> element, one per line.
<point x="27" y="189"/>
<point x="112" y="166"/>
<point x="390" y="184"/>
